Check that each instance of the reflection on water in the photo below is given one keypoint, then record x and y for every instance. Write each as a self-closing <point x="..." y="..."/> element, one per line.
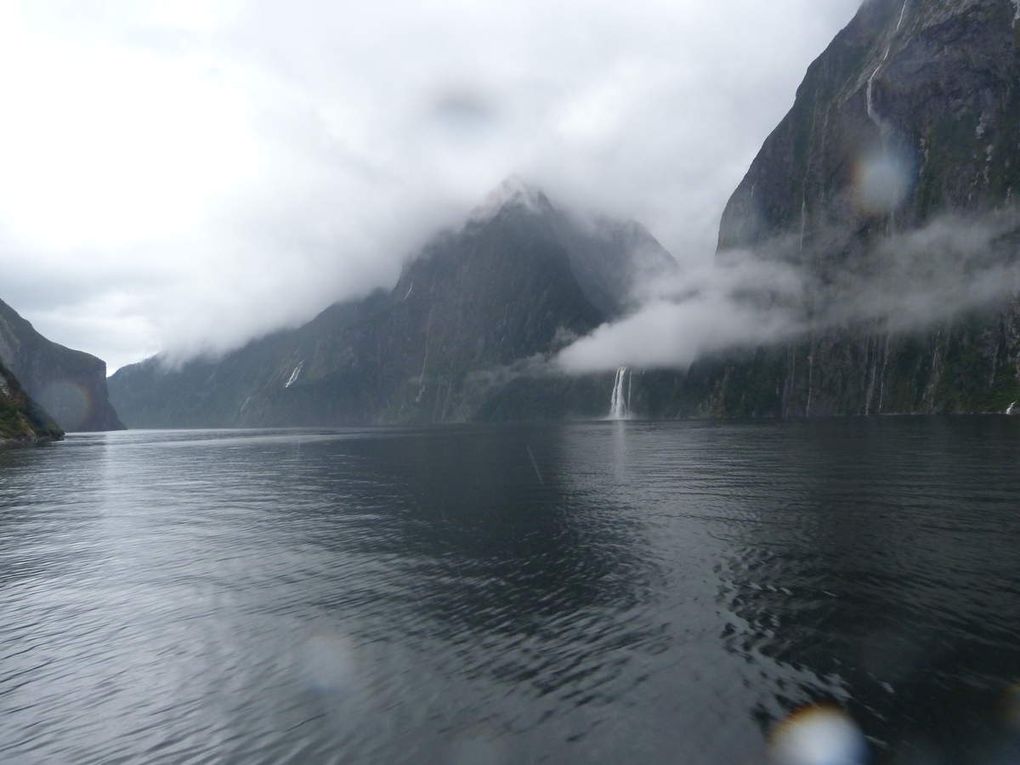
<point x="606" y="592"/>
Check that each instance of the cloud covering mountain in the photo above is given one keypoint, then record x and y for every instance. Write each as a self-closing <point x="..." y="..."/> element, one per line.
<point x="184" y="176"/>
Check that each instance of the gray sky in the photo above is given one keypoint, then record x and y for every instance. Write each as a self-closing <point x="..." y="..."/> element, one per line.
<point x="182" y="176"/>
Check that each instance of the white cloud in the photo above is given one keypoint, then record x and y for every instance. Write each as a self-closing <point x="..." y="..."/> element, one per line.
<point x="185" y="175"/>
<point x="907" y="281"/>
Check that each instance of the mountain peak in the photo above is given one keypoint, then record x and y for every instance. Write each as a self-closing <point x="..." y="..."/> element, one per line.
<point x="513" y="191"/>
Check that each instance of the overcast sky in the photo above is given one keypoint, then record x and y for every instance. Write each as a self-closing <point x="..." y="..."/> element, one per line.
<point x="183" y="175"/>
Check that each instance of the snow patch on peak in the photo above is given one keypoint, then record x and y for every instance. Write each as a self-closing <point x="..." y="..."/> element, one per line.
<point x="1016" y="14"/>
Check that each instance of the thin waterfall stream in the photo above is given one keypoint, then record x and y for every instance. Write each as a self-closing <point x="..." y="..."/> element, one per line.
<point x="619" y="402"/>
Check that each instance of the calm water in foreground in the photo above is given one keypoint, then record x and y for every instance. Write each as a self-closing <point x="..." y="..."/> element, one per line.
<point x="596" y="593"/>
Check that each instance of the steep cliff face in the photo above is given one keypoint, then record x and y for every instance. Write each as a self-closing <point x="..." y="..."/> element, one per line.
<point x="913" y="111"/>
<point x="68" y="384"/>
<point x="450" y="342"/>
<point x="22" y="421"/>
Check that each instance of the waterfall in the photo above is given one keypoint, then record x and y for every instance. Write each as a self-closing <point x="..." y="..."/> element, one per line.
<point x="886" y="162"/>
<point x="803" y="217"/>
<point x="619" y="403"/>
<point x="872" y="114"/>
<point x="295" y="375"/>
<point x="810" y="377"/>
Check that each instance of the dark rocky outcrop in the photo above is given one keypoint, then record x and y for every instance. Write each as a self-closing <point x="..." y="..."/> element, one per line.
<point x="451" y="341"/>
<point x="22" y="421"/>
<point x="934" y="87"/>
<point x="70" y="385"/>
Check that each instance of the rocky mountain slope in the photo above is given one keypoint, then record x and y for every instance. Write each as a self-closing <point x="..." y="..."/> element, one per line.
<point x="451" y="341"/>
<point x="70" y="385"/>
<point x="913" y="111"/>
<point x="910" y="115"/>
<point x="22" y="421"/>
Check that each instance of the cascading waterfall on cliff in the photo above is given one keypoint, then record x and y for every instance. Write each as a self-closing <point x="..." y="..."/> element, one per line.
<point x="884" y="187"/>
<point x="619" y="403"/>
<point x="872" y="114"/>
<point x="885" y="175"/>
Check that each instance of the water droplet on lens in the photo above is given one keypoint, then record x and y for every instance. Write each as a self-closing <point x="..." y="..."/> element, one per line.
<point x="477" y="749"/>
<point x="1012" y="707"/>
<point x="881" y="182"/>
<point x="819" y="736"/>
<point x="328" y="662"/>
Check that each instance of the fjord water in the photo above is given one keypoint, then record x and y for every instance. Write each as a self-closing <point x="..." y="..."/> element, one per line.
<point x="598" y="592"/>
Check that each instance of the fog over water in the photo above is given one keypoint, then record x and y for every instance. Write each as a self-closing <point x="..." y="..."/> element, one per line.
<point x="183" y="176"/>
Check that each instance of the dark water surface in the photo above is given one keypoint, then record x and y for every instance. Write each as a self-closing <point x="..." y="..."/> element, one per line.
<point x="597" y="593"/>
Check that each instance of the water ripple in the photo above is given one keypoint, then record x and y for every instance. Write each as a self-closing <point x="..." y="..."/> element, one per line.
<point x="598" y="592"/>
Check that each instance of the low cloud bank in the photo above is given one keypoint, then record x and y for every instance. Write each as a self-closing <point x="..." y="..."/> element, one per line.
<point x="776" y="293"/>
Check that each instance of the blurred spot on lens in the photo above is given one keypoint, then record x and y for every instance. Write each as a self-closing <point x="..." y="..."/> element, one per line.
<point x="819" y="736"/>
<point x="328" y="662"/>
<point x="477" y="748"/>
<point x="1011" y="707"/>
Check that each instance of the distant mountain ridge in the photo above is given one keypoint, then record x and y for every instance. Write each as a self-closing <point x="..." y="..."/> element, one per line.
<point x="447" y="343"/>
<point x="70" y="385"/>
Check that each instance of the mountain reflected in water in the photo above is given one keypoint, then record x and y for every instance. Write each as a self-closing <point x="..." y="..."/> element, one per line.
<point x="601" y="592"/>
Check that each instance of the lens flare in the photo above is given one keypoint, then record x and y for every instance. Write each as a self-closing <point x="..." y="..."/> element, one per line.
<point x="69" y="402"/>
<point x="1011" y="707"/>
<point x="818" y="736"/>
<point x="882" y="181"/>
<point x="329" y="663"/>
<point x="477" y="748"/>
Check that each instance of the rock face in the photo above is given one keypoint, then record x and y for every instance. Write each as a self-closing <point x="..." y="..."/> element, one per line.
<point x="22" y="421"/>
<point x="68" y="384"/>
<point x="450" y="342"/>
<point x="912" y="111"/>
